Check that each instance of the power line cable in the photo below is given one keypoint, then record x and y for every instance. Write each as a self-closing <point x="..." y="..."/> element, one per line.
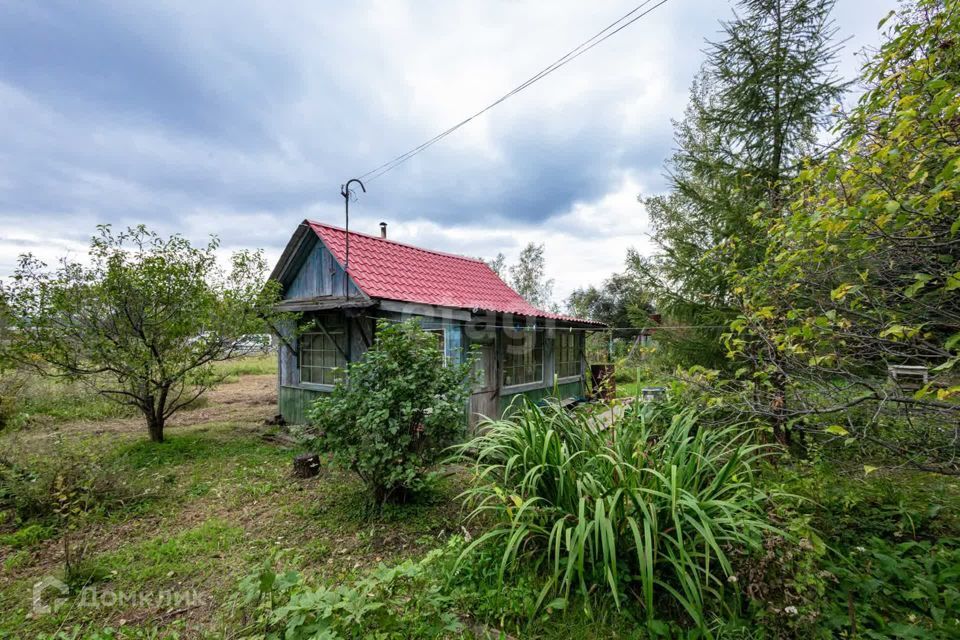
<point x="653" y="327"/>
<point x="607" y="32"/>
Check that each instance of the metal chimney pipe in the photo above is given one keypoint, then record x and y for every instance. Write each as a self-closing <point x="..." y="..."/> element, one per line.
<point x="383" y="230"/>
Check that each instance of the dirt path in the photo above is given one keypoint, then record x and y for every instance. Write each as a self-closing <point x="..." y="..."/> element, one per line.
<point x="251" y="399"/>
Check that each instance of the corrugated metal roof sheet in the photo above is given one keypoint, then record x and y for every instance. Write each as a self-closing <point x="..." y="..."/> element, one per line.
<point x="396" y="271"/>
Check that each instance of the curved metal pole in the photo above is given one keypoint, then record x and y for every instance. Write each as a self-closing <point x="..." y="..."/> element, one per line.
<point x="345" y="192"/>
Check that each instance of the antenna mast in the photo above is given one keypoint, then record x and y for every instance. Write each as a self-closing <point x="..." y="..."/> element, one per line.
<point x="345" y="192"/>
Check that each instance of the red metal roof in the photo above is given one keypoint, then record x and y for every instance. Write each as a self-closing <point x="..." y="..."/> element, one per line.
<point x="392" y="270"/>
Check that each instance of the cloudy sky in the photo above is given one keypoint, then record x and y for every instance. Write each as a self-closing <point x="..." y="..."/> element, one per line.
<point x="243" y="118"/>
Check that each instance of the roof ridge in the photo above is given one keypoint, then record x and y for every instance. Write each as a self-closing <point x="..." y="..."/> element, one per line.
<point x="402" y="244"/>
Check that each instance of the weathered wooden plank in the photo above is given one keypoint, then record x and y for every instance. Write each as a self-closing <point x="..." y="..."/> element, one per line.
<point x="412" y="309"/>
<point x="317" y="273"/>
<point x="295" y="402"/>
<point x="324" y="303"/>
<point x="566" y="390"/>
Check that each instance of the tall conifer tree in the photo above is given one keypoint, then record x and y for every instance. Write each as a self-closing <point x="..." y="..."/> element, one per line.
<point x="762" y="97"/>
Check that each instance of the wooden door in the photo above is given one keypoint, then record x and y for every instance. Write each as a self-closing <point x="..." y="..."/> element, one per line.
<point x="485" y="399"/>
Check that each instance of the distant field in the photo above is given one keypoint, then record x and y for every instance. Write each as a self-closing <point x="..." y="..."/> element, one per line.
<point x="249" y="366"/>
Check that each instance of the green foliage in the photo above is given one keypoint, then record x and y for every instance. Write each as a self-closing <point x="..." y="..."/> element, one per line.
<point x="786" y="581"/>
<point x="907" y="590"/>
<point x="403" y="601"/>
<point x="848" y="508"/>
<point x="528" y="277"/>
<point x="843" y="570"/>
<point x="27" y="536"/>
<point x="862" y="268"/>
<point x="753" y="111"/>
<point x="142" y="321"/>
<point x="11" y="390"/>
<point x="619" y="302"/>
<point x="72" y="479"/>
<point x="395" y="412"/>
<point x="648" y="508"/>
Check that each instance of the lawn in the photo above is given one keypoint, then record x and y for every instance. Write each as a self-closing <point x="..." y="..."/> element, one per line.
<point x="198" y="512"/>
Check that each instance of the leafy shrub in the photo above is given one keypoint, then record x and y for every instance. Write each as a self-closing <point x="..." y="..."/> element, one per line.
<point x="648" y="508"/>
<point x="397" y="411"/>
<point x="905" y="590"/>
<point x="41" y="489"/>
<point x="785" y="581"/>
<point x="403" y="601"/>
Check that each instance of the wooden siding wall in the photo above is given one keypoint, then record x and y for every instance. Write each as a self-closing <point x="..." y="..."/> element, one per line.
<point x="318" y="273"/>
<point x="567" y="390"/>
<point x="294" y="403"/>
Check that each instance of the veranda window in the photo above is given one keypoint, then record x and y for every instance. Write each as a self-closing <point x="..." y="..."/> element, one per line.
<point x="322" y="353"/>
<point x="523" y="358"/>
<point x="441" y="339"/>
<point x="565" y="355"/>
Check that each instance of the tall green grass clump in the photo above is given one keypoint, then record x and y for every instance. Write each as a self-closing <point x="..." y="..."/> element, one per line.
<point x="649" y="509"/>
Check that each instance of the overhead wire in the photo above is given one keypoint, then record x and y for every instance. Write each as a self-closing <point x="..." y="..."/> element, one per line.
<point x="605" y="33"/>
<point x="486" y="325"/>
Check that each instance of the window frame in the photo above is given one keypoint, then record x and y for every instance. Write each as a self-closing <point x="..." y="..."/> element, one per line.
<point x="441" y="332"/>
<point x="505" y="366"/>
<point x="573" y="352"/>
<point x="305" y="344"/>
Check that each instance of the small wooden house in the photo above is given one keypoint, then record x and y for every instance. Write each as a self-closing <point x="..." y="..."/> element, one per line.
<point x="522" y="349"/>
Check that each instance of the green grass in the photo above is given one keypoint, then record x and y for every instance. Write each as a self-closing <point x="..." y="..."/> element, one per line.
<point x="259" y="365"/>
<point x="189" y="553"/>
<point x="178" y="449"/>
<point x="215" y="501"/>
<point x="221" y="500"/>
<point x="56" y="400"/>
<point x="27" y="536"/>
<point x="62" y="401"/>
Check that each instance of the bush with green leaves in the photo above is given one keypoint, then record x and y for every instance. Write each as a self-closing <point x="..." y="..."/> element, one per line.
<point x="908" y="589"/>
<point x="390" y="419"/>
<point x="648" y="509"/>
<point x="36" y="490"/>
<point x="402" y="601"/>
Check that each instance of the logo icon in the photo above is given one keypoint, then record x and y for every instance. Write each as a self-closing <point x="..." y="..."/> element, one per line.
<point x="49" y="594"/>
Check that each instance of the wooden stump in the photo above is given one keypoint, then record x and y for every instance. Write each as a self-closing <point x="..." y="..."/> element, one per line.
<point x="306" y="465"/>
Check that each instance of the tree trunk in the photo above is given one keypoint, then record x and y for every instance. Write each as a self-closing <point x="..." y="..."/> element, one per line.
<point x="306" y="465"/>
<point x="779" y="409"/>
<point x="153" y="411"/>
<point x="155" y="426"/>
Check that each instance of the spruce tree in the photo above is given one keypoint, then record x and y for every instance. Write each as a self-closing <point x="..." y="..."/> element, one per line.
<point x="761" y="99"/>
